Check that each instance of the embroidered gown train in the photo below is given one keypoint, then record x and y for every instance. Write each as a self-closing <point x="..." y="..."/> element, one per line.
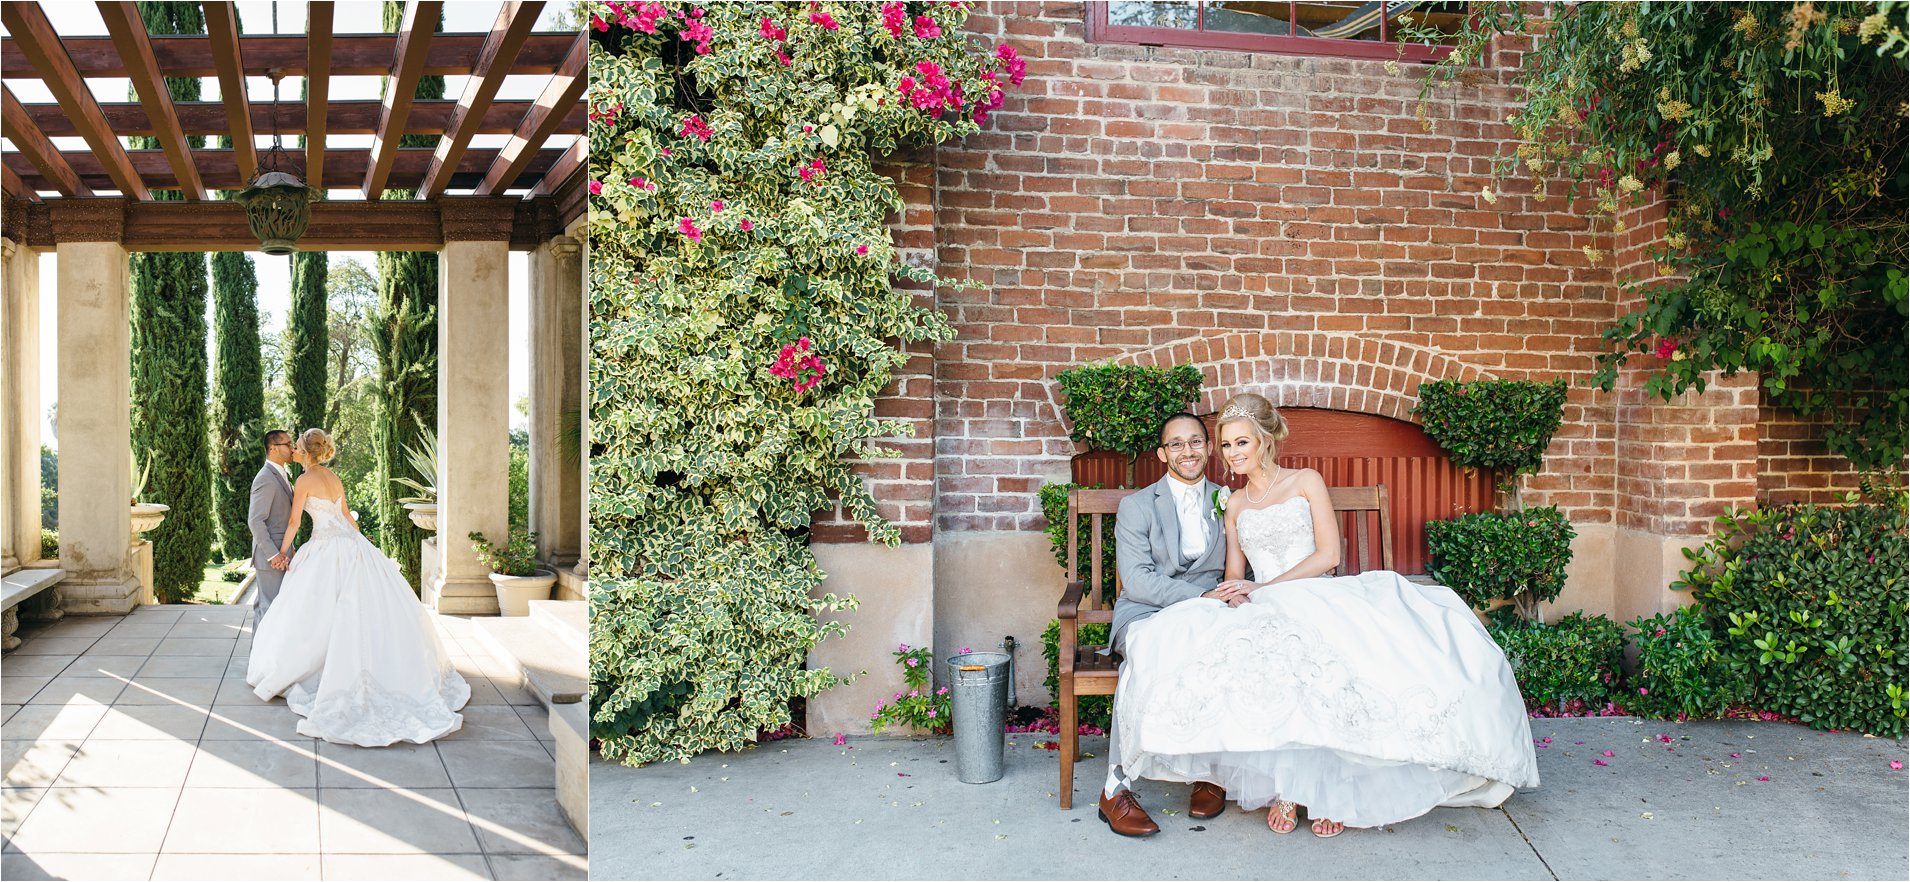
<point x="1367" y="698"/>
<point x="350" y="646"/>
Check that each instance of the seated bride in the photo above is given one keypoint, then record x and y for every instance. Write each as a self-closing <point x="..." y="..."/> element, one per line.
<point x="1368" y="699"/>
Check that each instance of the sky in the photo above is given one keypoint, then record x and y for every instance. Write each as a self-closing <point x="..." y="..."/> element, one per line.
<point x="255" y="17"/>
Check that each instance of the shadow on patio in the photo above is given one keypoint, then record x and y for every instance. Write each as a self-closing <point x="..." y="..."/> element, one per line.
<point x="135" y="750"/>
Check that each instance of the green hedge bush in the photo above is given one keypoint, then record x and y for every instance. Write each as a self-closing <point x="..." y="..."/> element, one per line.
<point x="1502" y="425"/>
<point x="1812" y="599"/>
<point x="1054" y="505"/>
<point x="1120" y="407"/>
<point x="1094" y="710"/>
<point x="1521" y="555"/>
<point x="1683" y="669"/>
<point x="1575" y="662"/>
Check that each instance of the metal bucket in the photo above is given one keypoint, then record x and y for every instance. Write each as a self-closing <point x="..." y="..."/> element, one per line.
<point x="978" y="699"/>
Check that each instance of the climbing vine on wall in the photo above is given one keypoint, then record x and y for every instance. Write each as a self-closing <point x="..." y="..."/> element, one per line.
<point x="744" y="317"/>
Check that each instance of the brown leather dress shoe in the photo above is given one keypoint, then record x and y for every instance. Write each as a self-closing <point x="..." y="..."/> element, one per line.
<point x="1125" y="816"/>
<point x="1208" y="801"/>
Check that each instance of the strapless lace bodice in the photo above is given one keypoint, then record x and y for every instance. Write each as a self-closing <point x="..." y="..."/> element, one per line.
<point x="1277" y="537"/>
<point x="328" y="518"/>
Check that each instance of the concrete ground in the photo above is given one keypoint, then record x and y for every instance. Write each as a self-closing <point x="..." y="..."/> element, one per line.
<point x="134" y="750"/>
<point x="1791" y="804"/>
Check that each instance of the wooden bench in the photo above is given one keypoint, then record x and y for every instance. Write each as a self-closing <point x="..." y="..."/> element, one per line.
<point x="21" y="586"/>
<point x="1085" y="671"/>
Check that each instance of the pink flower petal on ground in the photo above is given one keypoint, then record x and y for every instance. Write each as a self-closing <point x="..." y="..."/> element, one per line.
<point x="1600" y="763"/>
<point x="841" y="739"/>
<point x="1578" y="742"/>
<point x="1608" y="753"/>
<point x="1896" y="765"/>
<point x="1764" y="777"/>
<point x="1547" y="739"/>
<point x="1734" y="756"/>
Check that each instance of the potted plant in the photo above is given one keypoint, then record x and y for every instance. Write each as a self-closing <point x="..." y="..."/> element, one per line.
<point x="423" y="457"/>
<point x="515" y="571"/>
<point x="146" y="515"/>
<point x="1117" y="410"/>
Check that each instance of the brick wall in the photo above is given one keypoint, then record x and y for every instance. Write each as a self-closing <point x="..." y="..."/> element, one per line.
<point x="1287" y="223"/>
<point x="1793" y="465"/>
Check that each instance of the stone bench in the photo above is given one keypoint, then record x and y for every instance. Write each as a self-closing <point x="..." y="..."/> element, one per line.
<point x="31" y="588"/>
<point x="549" y="650"/>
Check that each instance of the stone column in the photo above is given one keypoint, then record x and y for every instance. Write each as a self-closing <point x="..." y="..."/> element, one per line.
<point x="473" y="398"/>
<point x="20" y="412"/>
<point x="579" y="230"/>
<point x="557" y="289"/>
<point x="95" y="393"/>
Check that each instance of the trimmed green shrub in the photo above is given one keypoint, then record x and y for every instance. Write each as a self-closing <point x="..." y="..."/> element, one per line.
<point x="1120" y="407"/>
<point x="1054" y="505"/>
<point x="745" y="315"/>
<point x="49" y="488"/>
<point x="170" y="364"/>
<point x="1812" y="600"/>
<point x="1519" y="556"/>
<point x="1501" y="425"/>
<point x="1683" y="670"/>
<point x="1094" y="709"/>
<point x="50" y="544"/>
<point x="1574" y="662"/>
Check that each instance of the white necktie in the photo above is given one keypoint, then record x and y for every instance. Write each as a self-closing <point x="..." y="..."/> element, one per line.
<point x="1193" y="528"/>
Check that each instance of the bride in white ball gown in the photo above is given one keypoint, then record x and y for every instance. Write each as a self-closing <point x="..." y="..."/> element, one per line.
<point x="1367" y="699"/>
<point x="347" y="643"/>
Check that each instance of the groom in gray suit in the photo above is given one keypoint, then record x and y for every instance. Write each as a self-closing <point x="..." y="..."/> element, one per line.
<point x="1169" y="547"/>
<point x="271" y="508"/>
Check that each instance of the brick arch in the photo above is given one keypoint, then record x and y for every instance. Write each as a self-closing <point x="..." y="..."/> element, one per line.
<point x="1312" y="369"/>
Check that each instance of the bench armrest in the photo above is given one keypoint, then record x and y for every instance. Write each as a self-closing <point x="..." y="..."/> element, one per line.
<point x="1070" y="601"/>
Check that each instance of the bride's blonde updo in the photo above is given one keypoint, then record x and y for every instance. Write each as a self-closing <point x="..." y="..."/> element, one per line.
<point x="1259" y="415"/>
<point x="317" y="445"/>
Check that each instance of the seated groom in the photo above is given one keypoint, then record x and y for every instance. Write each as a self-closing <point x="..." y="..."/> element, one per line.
<point x="1169" y="548"/>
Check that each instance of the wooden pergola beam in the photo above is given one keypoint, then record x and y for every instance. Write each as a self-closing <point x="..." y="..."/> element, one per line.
<point x="217" y="225"/>
<point x="318" y="81"/>
<point x="219" y="170"/>
<point x="222" y="26"/>
<point x="35" y="36"/>
<point x="407" y="67"/>
<point x="508" y="33"/>
<point x="128" y="31"/>
<point x="12" y="185"/>
<point x="341" y="118"/>
<point x="38" y="148"/>
<point x="567" y="165"/>
<point x="352" y="55"/>
<point x="565" y="87"/>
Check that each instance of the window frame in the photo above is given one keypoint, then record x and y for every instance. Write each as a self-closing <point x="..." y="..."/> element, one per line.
<point x="1100" y="31"/>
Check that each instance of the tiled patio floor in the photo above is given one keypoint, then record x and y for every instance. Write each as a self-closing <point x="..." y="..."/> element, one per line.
<point x="135" y="750"/>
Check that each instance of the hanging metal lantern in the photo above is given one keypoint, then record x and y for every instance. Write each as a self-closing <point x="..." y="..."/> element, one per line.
<point x="278" y="205"/>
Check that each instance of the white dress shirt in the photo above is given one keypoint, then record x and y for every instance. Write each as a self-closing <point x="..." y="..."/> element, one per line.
<point x="1193" y="519"/>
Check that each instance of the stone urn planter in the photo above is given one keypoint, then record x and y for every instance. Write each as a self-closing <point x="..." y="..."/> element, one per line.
<point x="424" y="514"/>
<point x="515" y="593"/>
<point x="148" y="516"/>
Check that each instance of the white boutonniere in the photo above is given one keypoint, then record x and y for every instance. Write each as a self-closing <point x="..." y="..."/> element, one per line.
<point x="1220" y="503"/>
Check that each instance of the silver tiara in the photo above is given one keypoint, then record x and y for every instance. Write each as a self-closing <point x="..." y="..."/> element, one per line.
<point x="1235" y="410"/>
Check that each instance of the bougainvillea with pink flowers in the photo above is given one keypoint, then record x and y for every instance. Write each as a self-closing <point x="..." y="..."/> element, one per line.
<point x="744" y="319"/>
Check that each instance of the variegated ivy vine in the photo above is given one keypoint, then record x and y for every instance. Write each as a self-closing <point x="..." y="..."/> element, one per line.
<point x="743" y="320"/>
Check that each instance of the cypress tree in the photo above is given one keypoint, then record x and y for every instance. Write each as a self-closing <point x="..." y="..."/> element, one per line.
<point x="169" y="367"/>
<point x="238" y="392"/>
<point x="406" y="337"/>
<point x="307" y="336"/>
<point x="238" y="396"/>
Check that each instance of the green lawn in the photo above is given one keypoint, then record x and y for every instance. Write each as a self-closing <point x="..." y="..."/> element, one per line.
<point x="213" y="588"/>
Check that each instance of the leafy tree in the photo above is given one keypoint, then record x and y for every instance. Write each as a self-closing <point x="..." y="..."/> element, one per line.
<point x="1777" y="132"/>
<point x="351" y="415"/>
<point x="405" y="337"/>
<point x="169" y="367"/>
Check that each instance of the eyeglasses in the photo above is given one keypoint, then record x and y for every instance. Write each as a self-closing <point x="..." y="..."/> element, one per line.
<point x="1184" y="446"/>
<point x="280" y="444"/>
